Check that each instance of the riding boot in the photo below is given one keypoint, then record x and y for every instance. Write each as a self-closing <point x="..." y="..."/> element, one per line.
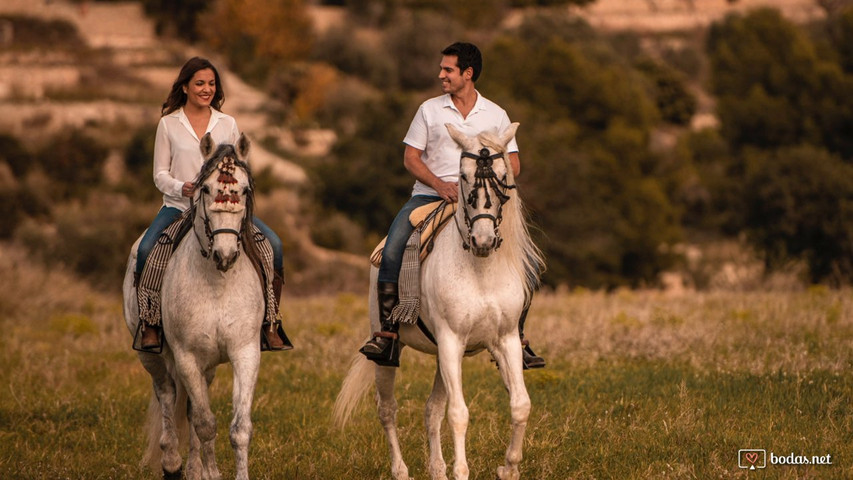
<point x="274" y="338"/>
<point x="384" y="347"/>
<point x="528" y="358"/>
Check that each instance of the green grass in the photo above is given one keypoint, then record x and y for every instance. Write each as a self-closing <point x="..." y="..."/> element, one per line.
<point x="639" y="385"/>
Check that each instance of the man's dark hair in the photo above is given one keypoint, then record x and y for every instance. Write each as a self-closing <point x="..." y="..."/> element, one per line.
<point x="468" y="55"/>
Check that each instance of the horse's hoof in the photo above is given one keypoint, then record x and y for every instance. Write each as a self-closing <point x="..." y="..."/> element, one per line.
<point x="173" y="475"/>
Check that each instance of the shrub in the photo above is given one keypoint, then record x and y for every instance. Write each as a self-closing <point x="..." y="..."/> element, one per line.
<point x="74" y="161"/>
<point x="31" y="32"/>
<point x="799" y="202"/>
<point x="675" y="103"/>
<point x="15" y="155"/>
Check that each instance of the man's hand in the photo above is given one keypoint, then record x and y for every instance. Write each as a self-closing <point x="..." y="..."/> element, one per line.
<point x="448" y="191"/>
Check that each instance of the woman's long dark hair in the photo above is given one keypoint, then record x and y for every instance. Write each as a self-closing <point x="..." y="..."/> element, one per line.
<point x="177" y="98"/>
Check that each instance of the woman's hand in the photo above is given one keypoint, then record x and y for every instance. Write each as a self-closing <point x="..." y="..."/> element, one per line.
<point x="187" y="189"/>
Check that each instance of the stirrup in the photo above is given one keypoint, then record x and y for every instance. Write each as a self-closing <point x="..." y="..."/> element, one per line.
<point x="390" y="354"/>
<point x="265" y="342"/>
<point x="137" y="340"/>
<point x="529" y="359"/>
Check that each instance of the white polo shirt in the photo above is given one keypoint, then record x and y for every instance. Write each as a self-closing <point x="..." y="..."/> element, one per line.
<point x="177" y="154"/>
<point x="441" y="153"/>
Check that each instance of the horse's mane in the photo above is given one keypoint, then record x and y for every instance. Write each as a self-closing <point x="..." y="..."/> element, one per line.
<point x="526" y="258"/>
<point x="250" y="245"/>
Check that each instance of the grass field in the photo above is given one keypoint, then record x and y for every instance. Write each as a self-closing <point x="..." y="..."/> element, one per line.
<point x="639" y="385"/>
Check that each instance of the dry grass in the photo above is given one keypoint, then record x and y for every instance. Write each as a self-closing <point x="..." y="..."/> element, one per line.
<point x="639" y="385"/>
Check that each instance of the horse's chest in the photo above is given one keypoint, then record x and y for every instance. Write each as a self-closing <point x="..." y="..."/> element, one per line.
<point x="211" y="294"/>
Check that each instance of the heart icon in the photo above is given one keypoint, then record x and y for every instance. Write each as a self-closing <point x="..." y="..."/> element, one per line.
<point x="751" y="457"/>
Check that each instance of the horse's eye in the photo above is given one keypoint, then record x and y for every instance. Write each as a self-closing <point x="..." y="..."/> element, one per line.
<point x="205" y="189"/>
<point x="464" y="178"/>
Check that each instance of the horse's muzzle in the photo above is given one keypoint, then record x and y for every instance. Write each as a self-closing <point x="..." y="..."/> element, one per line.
<point x="224" y="264"/>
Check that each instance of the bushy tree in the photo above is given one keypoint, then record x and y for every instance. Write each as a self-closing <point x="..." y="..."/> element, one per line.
<point x="180" y="19"/>
<point x="588" y="176"/>
<point x="773" y="88"/>
<point x="364" y="176"/>
<point x="259" y="35"/>
<point x="799" y="203"/>
<point x="675" y="103"/>
<point x="74" y="161"/>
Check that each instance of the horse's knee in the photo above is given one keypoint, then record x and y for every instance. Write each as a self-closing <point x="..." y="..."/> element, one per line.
<point x="241" y="433"/>
<point x="457" y="416"/>
<point x="205" y="426"/>
<point x="520" y="410"/>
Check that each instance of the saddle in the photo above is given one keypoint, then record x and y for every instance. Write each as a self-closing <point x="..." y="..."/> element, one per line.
<point x="150" y="282"/>
<point x="428" y="219"/>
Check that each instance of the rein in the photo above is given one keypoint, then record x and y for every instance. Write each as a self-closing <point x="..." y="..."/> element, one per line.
<point x="484" y="178"/>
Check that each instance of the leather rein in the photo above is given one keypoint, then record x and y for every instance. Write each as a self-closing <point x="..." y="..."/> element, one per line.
<point x="484" y="178"/>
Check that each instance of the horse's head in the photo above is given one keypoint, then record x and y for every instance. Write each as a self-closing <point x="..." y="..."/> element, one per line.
<point x="485" y="176"/>
<point x="223" y="200"/>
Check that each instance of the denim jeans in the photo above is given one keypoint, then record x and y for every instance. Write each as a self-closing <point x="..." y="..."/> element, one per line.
<point x="398" y="235"/>
<point x="167" y="215"/>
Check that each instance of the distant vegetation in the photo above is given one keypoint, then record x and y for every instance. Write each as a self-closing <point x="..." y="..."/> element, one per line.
<point x="608" y="201"/>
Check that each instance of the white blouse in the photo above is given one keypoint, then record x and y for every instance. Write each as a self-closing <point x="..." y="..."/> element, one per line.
<point x="177" y="154"/>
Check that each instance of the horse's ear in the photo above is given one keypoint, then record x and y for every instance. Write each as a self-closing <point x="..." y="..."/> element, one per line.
<point x="207" y="146"/>
<point x="242" y="147"/>
<point x="458" y="136"/>
<point x="509" y="133"/>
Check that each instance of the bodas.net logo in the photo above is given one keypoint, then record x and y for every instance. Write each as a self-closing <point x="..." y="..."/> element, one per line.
<point x="752" y="458"/>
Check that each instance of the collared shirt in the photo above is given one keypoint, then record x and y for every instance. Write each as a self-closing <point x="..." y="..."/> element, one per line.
<point x="177" y="154"/>
<point x="440" y="152"/>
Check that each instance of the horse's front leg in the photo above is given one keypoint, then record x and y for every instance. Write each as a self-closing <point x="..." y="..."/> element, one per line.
<point x="387" y="407"/>
<point x="245" y="364"/>
<point x="164" y="391"/>
<point x="434" y="415"/>
<point x="450" y="351"/>
<point x="508" y="356"/>
<point x="201" y="417"/>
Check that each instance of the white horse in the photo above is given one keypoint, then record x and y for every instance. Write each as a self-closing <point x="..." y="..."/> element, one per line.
<point x="212" y="309"/>
<point x="472" y="294"/>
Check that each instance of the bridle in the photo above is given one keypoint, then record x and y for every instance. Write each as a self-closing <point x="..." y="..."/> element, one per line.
<point x="208" y="231"/>
<point x="484" y="177"/>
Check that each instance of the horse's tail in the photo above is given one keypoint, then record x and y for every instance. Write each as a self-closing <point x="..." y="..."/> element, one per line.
<point x="154" y="427"/>
<point x="356" y="384"/>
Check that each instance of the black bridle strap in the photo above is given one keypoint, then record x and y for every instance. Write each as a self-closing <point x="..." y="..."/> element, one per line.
<point x="484" y="177"/>
<point x="224" y="230"/>
<point x="207" y="230"/>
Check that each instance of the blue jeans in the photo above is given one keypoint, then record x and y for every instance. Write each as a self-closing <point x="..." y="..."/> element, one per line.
<point x="398" y="235"/>
<point x="167" y="215"/>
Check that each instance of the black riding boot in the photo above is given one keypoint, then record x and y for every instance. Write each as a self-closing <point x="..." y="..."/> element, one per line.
<point x="274" y="339"/>
<point x="529" y="359"/>
<point x="384" y="348"/>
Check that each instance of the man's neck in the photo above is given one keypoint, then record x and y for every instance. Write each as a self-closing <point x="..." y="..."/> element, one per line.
<point x="465" y="99"/>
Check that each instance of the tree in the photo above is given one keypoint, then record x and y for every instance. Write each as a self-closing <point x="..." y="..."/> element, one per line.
<point x="258" y="35"/>
<point x="773" y="89"/>
<point x="799" y="203"/>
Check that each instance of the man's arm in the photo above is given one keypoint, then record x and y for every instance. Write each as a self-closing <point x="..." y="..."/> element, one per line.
<point x="413" y="163"/>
